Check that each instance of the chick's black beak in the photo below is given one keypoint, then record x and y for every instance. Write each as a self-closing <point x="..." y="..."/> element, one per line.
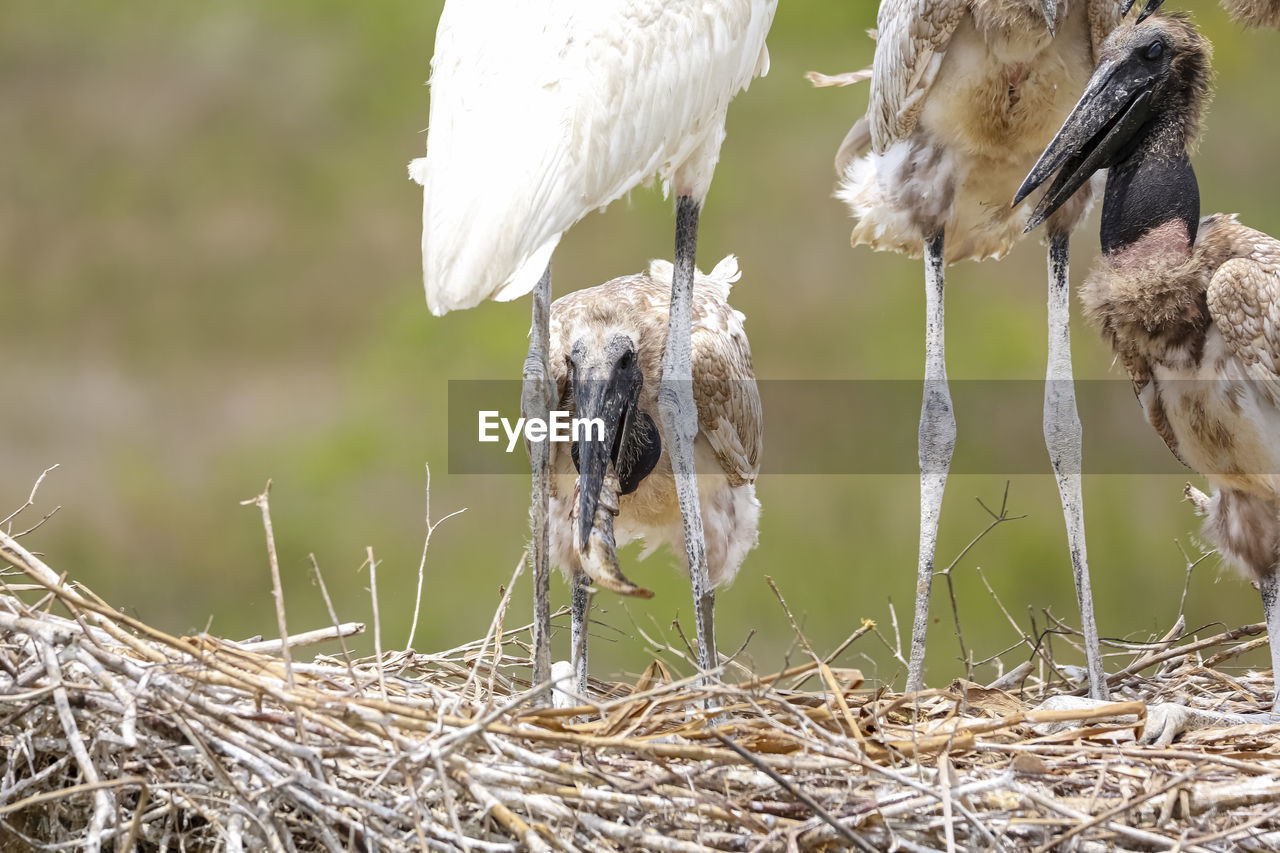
<point x="1113" y="108"/>
<point x="604" y="398"/>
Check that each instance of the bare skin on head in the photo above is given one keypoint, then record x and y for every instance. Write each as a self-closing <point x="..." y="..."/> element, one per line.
<point x="1191" y="307"/>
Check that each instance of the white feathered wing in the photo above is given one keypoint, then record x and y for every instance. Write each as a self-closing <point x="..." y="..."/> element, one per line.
<point x="544" y="110"/>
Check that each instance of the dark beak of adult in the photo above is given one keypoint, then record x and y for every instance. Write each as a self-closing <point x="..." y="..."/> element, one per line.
<point x="1147" y="10"/>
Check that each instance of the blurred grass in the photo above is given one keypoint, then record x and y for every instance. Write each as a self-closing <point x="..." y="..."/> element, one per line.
<point x="209" y="276"/>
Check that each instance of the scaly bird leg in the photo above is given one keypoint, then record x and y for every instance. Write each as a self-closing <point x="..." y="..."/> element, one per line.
<point x="1062" y="437"/>
<point x="1269" y="586"/>
<point x="679" y="416"/>
<point x="579" y="613"/>
<point x="937" y="441"/>
<point x="536" y="399"/>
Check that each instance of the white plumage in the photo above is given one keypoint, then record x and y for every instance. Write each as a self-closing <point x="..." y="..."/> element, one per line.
<point x="543" y="111"/>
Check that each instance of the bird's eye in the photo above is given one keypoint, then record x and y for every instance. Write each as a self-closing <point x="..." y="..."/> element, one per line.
<point x="1154" y="50"/>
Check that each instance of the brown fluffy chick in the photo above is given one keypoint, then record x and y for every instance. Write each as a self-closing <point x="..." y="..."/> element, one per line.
<point x="606" y="357"/>
<point x="1191" y="307"/>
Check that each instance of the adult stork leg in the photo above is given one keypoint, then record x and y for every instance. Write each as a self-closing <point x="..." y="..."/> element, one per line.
<point x="578" y="613"/>
<point x="1062" y="438"/>
<point x="679" y="416"/>
<point x="535" y="402"/>
<point x="937" y="441"/>
<point x="1269" y="586"/>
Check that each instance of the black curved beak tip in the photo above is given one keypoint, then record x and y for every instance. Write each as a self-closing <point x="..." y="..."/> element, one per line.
<point x="1037" y="176"/>
<point x="1148" y="10"/>
<point x="1023" y="191"/>
<point x="1125" y="7"/>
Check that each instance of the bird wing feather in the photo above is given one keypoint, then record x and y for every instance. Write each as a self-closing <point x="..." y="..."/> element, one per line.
<point x="1244" y="303"/>
<point x="1254" y="13"/>
<point x="724" y="387"/>
<point x="544" y="110"/>
<point x="1152" y="402"/>
<point x="912" y="39"/>
<point x="1104" y="16"/>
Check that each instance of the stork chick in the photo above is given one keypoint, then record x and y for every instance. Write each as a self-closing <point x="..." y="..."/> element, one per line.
<point x="606" y="358"/>
<point x="964" y="95"/>
<point x="1191" y="306"/>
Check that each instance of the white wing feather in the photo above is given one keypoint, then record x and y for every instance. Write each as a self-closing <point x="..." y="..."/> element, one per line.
<point x="544" y="110"/>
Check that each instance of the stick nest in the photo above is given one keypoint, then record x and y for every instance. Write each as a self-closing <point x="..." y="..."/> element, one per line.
<point x="116" y="734"/>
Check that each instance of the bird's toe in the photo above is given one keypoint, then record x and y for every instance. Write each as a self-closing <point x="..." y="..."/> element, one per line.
<point x="1164" y="723"/>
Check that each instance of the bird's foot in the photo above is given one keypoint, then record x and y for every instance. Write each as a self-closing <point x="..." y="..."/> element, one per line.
<point x="599" y="560"/>
<point x="1164" y="722"/>
<point x="1197" y="498"/>
<point x="562" y="678"/>
<point x="1169" y="719"/>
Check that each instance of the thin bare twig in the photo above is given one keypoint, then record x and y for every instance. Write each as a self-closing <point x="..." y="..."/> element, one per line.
<point x="996" y="520"/>
<point x="262" y="502"/>
<point x="422" y="564"/>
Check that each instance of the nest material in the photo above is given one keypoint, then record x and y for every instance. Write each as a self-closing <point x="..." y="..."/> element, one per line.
<point x="118" y="735"/>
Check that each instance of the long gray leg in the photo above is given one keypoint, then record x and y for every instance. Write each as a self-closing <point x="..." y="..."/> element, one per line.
<point x="535" y="402"/>
<point x="579" y="612"/>
<point x="937" y="441"/>
<point x="1269" y="586"/>
<point x="1062" y="437"/>
<point x="679" y="416"/>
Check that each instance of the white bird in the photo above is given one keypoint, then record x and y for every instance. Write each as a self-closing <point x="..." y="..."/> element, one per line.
<point x="544" y="110"/>
<point x="964" y="96"/>
<point x="619" y="486"/>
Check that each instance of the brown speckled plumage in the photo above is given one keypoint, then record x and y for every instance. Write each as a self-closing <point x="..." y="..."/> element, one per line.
<point x="1197" y="328"/>
<point x="1251" y="13"/>
<point x="964" y="95"/>
<point x="1254" y="13"/>
<point x="730" y="424"/>
<point x="1190" y="306"/>
<point x="1199" y="335"/>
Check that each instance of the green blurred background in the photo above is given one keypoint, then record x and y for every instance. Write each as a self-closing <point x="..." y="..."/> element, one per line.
<point x="209" y="276"/>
